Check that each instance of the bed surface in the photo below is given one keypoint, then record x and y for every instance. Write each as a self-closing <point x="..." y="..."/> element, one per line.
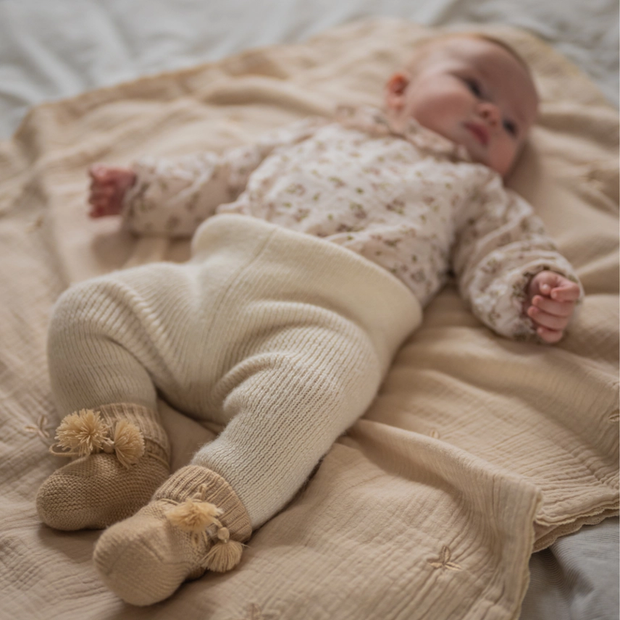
<point x="52" y="51"/>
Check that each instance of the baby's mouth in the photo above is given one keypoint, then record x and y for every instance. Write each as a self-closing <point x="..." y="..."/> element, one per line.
<point x="480" y="133"/>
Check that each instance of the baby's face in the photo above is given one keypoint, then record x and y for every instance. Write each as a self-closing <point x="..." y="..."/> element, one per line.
<point x="472" y="92"/>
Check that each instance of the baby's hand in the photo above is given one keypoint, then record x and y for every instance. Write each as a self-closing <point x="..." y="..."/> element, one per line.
<point x="107" y="189"/>
<point x="550" y="303"/>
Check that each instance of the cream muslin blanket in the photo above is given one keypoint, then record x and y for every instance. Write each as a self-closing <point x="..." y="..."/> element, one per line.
<point x="477" y="450"/>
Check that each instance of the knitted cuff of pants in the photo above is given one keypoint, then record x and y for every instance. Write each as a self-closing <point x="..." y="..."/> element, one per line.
<point x="121" y="455"/>
<point x="194" y="523"/>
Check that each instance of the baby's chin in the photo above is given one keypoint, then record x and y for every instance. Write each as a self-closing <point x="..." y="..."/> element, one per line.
<point x="503" y="172"/>
<point x="478" y="157"/>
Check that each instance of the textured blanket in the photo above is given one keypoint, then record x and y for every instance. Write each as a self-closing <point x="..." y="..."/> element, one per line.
<point x="477" y="451"/>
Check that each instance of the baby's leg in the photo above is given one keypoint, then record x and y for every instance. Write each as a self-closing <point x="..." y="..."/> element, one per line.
<point x="288" y="400"/>
<point x="297" y="336"/>
<point x="287" y="404"/>
<point x="100" y="349"/>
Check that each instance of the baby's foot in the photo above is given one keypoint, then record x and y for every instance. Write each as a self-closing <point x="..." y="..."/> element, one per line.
<point x="107" y="189"/>
<point x="117" y="479"/>
<point x="194" y="523"/>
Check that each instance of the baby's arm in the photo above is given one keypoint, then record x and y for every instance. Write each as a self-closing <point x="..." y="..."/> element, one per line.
<point x="173" y="196"/>
<point x="504" y="262"/>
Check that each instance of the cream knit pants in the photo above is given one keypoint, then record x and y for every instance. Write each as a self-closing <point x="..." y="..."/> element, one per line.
<point x="278" y="336"/>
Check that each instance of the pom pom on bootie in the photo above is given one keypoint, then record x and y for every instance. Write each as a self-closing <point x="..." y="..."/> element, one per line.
<point x="84" y="433"/>
<point x="195" y="523"/>
<point x="120" y="456"/>
<point x="197" y="517"/>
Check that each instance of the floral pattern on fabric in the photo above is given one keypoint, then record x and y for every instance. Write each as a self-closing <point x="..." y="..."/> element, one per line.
<point x="407" y="199"/>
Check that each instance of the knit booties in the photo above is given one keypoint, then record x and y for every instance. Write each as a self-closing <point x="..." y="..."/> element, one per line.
<point x="121" y="455"/>
<point x="194" y="523"/>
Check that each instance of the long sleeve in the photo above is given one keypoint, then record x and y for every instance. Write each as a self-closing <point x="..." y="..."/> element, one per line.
<point x="172" y="197"/>
<point x="500" y="245"/>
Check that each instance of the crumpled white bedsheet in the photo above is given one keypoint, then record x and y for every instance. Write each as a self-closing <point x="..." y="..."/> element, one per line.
<point x="51" y="50"/>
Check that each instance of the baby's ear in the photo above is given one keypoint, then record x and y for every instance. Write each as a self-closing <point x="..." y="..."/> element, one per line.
<point x="395" y="90"/>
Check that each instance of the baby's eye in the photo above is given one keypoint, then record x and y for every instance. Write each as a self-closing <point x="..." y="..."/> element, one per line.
<point x="511" y="128"/>
<point x="474" y="87"/>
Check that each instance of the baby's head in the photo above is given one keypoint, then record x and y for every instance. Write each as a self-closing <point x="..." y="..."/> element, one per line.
<point x="471" y="89"/>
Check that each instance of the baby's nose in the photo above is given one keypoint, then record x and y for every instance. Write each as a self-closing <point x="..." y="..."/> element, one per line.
<point x="490" y="113"/>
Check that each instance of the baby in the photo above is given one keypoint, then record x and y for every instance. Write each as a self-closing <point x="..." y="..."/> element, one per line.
<point x="328" y="239"/>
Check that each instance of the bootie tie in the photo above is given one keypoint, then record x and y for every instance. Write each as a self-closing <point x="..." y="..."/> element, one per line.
<point x="120" y="456"/>
<point x="194" y="523"/>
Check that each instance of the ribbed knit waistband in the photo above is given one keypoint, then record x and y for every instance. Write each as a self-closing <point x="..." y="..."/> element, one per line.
<point x="301" y="268"/>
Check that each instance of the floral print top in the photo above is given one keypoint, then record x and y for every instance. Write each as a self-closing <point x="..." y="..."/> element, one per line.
<point x="409" y="200"/>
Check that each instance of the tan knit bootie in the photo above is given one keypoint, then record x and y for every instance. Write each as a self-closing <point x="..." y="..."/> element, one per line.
<point x="194" y="523"/>
<point x="121" y="455"/>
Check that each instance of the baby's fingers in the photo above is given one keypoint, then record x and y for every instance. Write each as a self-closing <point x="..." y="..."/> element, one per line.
<point x="102" y="191"/>
<point x="101" y="171"/>
<point x="101" y="188"/>
<point x="568" y="291"/>
<point x="549" y="336"/>
<point x="557" y="308"/>
<point x="544" y="319"/>
<point x="97" y="172"/>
